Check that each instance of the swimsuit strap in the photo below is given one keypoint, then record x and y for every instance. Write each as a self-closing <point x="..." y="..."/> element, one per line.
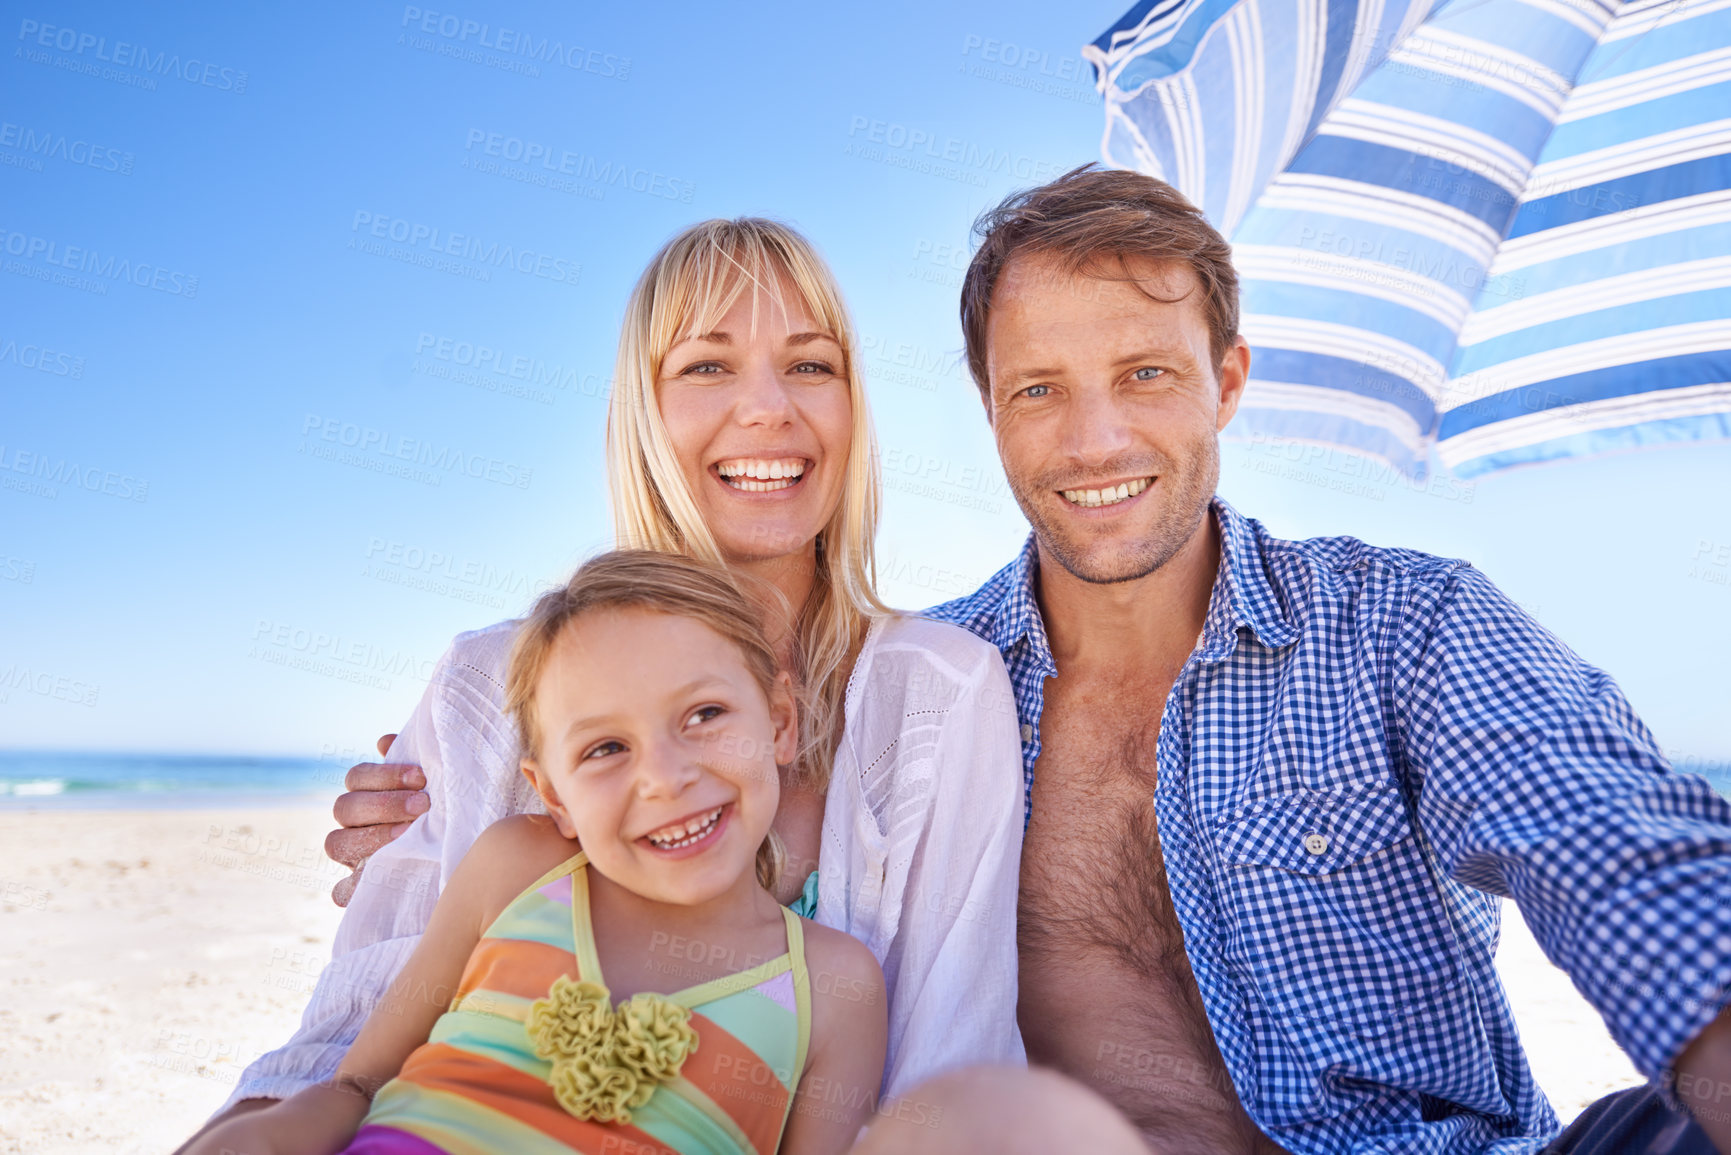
<point x="802" y="1006"/>
<point x="570" y="865"/>
<point x="589" y="962"/>
<point x="582" y="929"/>
<point x="801" y="987"/>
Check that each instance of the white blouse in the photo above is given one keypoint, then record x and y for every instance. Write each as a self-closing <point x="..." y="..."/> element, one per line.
<point x="920" y="853"/>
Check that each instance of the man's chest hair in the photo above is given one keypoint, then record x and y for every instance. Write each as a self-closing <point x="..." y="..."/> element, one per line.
<point x="1092" y="872"/>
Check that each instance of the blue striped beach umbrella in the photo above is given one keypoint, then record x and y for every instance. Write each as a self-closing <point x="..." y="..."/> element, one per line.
<point x="1499" y="227"/>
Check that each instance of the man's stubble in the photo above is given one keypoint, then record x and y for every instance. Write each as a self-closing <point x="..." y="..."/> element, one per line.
<point x="1179" y="513"/>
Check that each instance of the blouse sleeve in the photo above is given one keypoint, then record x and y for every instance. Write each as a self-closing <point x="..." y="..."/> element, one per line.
<point x="951" y="965"/>
<point x="460" y="738"/>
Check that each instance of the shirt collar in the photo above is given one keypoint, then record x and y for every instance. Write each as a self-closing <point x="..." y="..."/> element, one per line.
<point x="1019" y="612"/>
<point x="1243" y="597"/>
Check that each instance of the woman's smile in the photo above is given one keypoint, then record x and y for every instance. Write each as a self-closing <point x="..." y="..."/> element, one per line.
<point x="763" y="474"/>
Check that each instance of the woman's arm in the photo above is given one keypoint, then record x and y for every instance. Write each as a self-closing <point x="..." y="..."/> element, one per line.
<point x="461" y="738"/>
<point x="322" y="1118"/>
<point x="838" y="1090"/>
<point x="953" y="959"/>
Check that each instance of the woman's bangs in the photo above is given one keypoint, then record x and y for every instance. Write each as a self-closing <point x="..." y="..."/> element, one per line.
<point x="721" y="270"/>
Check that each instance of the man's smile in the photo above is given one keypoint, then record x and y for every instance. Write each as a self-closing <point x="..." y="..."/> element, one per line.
<point x="1106" y="495"/>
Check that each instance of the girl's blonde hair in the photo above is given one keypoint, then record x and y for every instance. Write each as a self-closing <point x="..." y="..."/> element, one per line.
<point x="642" y="579"/>
<point x="686" y="290"/>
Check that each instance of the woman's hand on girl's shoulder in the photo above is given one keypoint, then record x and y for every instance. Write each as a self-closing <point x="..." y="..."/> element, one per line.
<point x="849" y="1035"/>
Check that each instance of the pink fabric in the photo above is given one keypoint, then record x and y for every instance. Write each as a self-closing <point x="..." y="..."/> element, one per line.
<point x="779" y="990"/>
<point x="375" y="1140"/>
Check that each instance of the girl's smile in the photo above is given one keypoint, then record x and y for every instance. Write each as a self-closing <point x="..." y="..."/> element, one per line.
<point x="689" y="836"/>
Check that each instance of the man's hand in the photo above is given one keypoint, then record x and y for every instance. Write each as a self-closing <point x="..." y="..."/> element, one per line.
<point x="382" y="799"/>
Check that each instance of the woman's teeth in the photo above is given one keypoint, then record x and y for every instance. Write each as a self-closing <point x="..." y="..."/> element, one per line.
<point x="684" y="833"/>
<point x="1095" y="498"/>
<point x="760" y="475"/>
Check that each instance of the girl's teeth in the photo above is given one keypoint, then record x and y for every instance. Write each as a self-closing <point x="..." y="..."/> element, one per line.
<point x="673" y="837"/>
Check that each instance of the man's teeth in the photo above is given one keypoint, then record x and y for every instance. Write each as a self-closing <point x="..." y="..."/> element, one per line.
<point x="1094" y="498"/>
<point x="760" y="475"/>
<point x="684" y="833"/>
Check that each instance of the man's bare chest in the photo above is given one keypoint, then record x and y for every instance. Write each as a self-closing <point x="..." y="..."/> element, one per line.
<point x="1093" y="879"/>
<point x="1107" y="990"/>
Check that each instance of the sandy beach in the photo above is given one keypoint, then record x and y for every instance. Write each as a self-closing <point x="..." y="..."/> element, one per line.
<point x="147" y="956"/>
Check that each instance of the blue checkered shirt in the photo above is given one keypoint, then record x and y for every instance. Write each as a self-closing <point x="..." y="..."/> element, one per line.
<point x="1366" y="751"/>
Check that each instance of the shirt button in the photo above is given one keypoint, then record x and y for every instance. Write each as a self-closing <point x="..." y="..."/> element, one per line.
<point x="1316" y="843"/>
<point x="1027" y="733"/>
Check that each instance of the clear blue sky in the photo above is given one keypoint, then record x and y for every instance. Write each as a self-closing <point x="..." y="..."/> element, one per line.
<point x="193" y="559"/>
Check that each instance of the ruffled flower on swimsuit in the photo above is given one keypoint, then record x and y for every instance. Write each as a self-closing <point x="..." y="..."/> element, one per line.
<point x="607" y="1061"/>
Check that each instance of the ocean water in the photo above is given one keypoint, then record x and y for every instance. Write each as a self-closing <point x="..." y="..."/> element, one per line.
<point x="57" y="780"/>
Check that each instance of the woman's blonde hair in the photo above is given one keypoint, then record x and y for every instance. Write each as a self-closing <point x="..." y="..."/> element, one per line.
<point x="660" y="582"/>
<point x="686" y="290"/>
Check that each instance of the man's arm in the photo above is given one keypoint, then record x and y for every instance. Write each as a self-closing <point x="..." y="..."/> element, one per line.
<point x="1535" y="779"/>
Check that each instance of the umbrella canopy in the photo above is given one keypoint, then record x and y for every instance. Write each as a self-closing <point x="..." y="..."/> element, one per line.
<point x="1501" y="228"/>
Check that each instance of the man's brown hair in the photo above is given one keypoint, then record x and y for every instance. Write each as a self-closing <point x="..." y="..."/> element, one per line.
<point x="1093" y="220"/>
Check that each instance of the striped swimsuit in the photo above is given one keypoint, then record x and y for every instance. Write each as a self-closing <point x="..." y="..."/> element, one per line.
<point x="477" y="1084"/>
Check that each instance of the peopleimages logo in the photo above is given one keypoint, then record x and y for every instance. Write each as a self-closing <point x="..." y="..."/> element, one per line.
<point x="432" y="239"/>
<point x="921" y="150"/>
<point x="580" y="166"/>
<point x="136" y="56"/>
<point x="460" y="31"/>
<point x="51" y="146"/>
<point x="47" y="684"/>
<point x="393" y="448"/>
<point x="40" y="358"/>
<point x="93" y="264"/>
<point x="49" y="471"/>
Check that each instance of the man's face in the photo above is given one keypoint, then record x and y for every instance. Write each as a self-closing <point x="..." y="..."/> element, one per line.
<point x="1106" y="407"/>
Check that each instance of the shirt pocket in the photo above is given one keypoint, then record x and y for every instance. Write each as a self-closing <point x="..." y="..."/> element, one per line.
<point x="1350" y="947"/>
<point x="1339" y="920"/>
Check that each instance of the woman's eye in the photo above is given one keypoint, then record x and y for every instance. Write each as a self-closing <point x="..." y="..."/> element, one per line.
<point x="603" y="750"/>
<point x="703" y="714"/>
<point x="702" y="369"/>
<point x="815" y="368"/>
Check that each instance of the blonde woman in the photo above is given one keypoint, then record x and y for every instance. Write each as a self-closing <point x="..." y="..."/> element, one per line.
<point x="740" y="434"/>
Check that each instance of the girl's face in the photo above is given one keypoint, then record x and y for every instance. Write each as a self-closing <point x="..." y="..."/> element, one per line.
<point x="760" y="422"/>
<point x="659" y="752"/>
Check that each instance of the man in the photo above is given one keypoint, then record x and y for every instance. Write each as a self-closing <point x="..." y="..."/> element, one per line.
<point x="1276" y="788"/>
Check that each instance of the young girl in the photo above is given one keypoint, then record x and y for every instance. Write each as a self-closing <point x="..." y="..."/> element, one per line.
<point x="642" y="994"/>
